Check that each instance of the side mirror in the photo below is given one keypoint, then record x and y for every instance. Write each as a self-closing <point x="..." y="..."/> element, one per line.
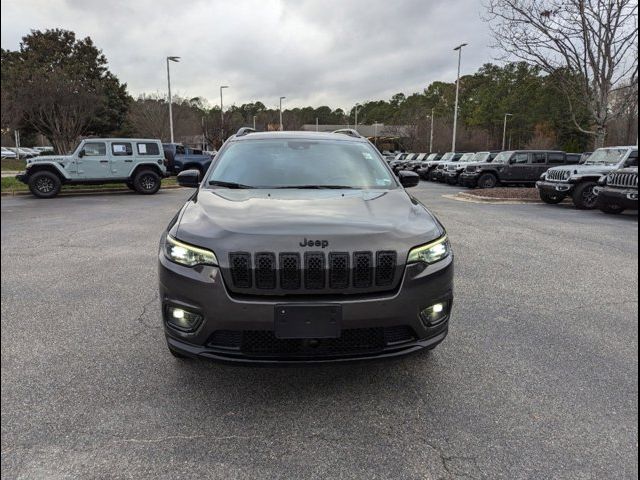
<point x="81" y="153"/>
<point x="408" y="179"/>
<point x="189" y="178"/>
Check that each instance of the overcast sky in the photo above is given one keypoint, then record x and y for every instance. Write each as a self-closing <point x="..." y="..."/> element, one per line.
<point x="314" y="52"/>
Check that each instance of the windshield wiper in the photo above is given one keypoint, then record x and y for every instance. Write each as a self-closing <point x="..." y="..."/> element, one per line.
<point x="220" y="183"/>
<point x="316" y="187"/>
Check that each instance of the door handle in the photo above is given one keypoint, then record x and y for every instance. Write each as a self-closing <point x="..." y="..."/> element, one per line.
<point x="104" y="161"/>
<point x="128" y="161"/>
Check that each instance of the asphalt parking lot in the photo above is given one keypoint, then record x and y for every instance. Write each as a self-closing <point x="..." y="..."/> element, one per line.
<point x="537" y="379"/>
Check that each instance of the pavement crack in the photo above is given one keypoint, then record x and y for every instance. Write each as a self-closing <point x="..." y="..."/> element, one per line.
<point x="186" y="437"/>
<point x="140" y="319"/>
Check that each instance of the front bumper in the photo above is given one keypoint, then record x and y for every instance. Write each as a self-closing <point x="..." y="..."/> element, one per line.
<point x="451" y="177"/>
<point x="626" y="198"/>
<point x="469" y="179"/>
<point x="563" y="188"/>
<point x="251" y="319"/>
<point x="23" y="177"/>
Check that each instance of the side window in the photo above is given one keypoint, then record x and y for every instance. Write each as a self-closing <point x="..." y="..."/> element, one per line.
<point x="94" y="149"/>
<point x="556" y="158"/>
<point x="148" y="148"/>
<point x="632" y="161"/>
<point x="539" y="158"/>
<point x="520" y="158"/>
<point x="121" y="149"/>
<point x="179" y="150"/>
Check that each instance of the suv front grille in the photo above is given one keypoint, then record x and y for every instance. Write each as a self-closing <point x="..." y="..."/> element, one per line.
<point x="351" y="341"/>
<point x="470" y="169"/>
<point x="558" y="175"/>
<point x="624" y="180"/>
<point x="340" y="270"/>
<point x="452" y="167"/>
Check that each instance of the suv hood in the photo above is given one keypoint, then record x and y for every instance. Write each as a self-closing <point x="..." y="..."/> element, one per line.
<point x="61" y="159"/>
<point x="280" y="220"/>
<point x="585" y="169"/>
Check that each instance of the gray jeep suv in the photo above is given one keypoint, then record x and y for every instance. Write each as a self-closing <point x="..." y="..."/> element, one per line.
<point x="303" y="247"/>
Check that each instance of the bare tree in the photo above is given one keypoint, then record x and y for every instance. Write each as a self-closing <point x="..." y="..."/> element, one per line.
<point x="149" y="116"/>
<point x="590" y="45"/>
<point x="59" y="107"/>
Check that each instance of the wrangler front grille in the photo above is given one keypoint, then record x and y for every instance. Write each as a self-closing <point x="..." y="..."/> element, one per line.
<point x="470" y="169"/>
<point x="624" y="180"/>
<point x="315" y="271"/>
<point x="558" y="175"/>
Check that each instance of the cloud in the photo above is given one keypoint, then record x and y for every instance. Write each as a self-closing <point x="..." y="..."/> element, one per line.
<point x="314" y="52"/>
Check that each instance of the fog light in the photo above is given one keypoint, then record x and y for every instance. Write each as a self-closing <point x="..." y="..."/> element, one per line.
<point x="434" y="314"/>
<point x="183" y="319"/>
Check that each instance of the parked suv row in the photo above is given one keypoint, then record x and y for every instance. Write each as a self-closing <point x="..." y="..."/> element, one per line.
<point x="580" y="181"/>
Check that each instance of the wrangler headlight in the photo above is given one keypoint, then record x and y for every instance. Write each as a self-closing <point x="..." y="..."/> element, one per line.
<point x="431" y="252"/>
<point x="188" y="255"/>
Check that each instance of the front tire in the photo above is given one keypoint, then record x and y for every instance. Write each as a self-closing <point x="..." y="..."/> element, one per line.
<point x="44" y="184"/>
<point x="551" y="198"/>
<point x="147" y="182"/>
<point x="584" y="197"/>
<point x="611" y="209"/>
<point x="487" y="180"/>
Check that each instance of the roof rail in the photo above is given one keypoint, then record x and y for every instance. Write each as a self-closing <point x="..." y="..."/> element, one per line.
<point x="348" y="131"/>
<point x="245" y="131"/>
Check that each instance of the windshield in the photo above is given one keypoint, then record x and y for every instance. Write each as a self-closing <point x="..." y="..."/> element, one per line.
<point x="301" y="164"/>
<point x="503" y="157"/>
<point x="606" y="156"/>
<point x="467" y="157"/>
<point x="481" y="157"/>
<point x="447" y="157"/>
<point x="432" y="157"/>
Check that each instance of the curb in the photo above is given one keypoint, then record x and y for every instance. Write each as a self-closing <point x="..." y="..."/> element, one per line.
<point x="479" y="199"/>
<point x="83" y="191"/>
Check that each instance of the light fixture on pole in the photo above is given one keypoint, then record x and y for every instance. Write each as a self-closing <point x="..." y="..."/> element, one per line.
<point x="455" y="114"/>
<point x="170" y="59"/>
<point x="281" y="98"/>
<point x="504" y="130"/>
<point x="222" y="114"/>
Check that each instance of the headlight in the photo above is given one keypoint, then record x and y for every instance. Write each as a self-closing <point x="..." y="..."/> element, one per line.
<point x="188" y="255"/>
<point x="431" y="252"/>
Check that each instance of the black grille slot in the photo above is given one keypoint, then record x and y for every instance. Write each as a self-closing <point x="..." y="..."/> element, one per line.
<point x="338" y="270"/>
<point x="226" y="339"/>
<point x="385" y="267"/>
<point x="240" y="265"/>
<point x="289" y="271"/>
<point x="362" y="269"/>
<point x="399" y="334"/>
<point x="265" y="270"/>
<point x="314" y="272"/>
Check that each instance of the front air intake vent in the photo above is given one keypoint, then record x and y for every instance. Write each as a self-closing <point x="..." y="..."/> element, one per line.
<point x="265" y="270"/>
<point x="338" y="270"/>
<point x="362" y="269"/>
<point x="289" y="271"/>
<point x="314" y="271"/>
<point x="385" y="268"/>
<point x="240" y="264"/>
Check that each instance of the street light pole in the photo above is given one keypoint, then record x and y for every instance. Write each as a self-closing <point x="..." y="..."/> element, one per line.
<point x="375" y="133"/>
<point x="281" y="98"/>
<point x="222" y="114"/>
<point x="431" y="134"/>
<point x="254" y="122"/>
<point x="317" y="129"/>
<point x="455" y="114"/>
<point x="504" y="130"/>
<point x="356" y="119"/>
<point x="170" y="59"/>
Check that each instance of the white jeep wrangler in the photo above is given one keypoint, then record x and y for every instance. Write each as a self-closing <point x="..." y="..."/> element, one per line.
<point x="139" y="163"/>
